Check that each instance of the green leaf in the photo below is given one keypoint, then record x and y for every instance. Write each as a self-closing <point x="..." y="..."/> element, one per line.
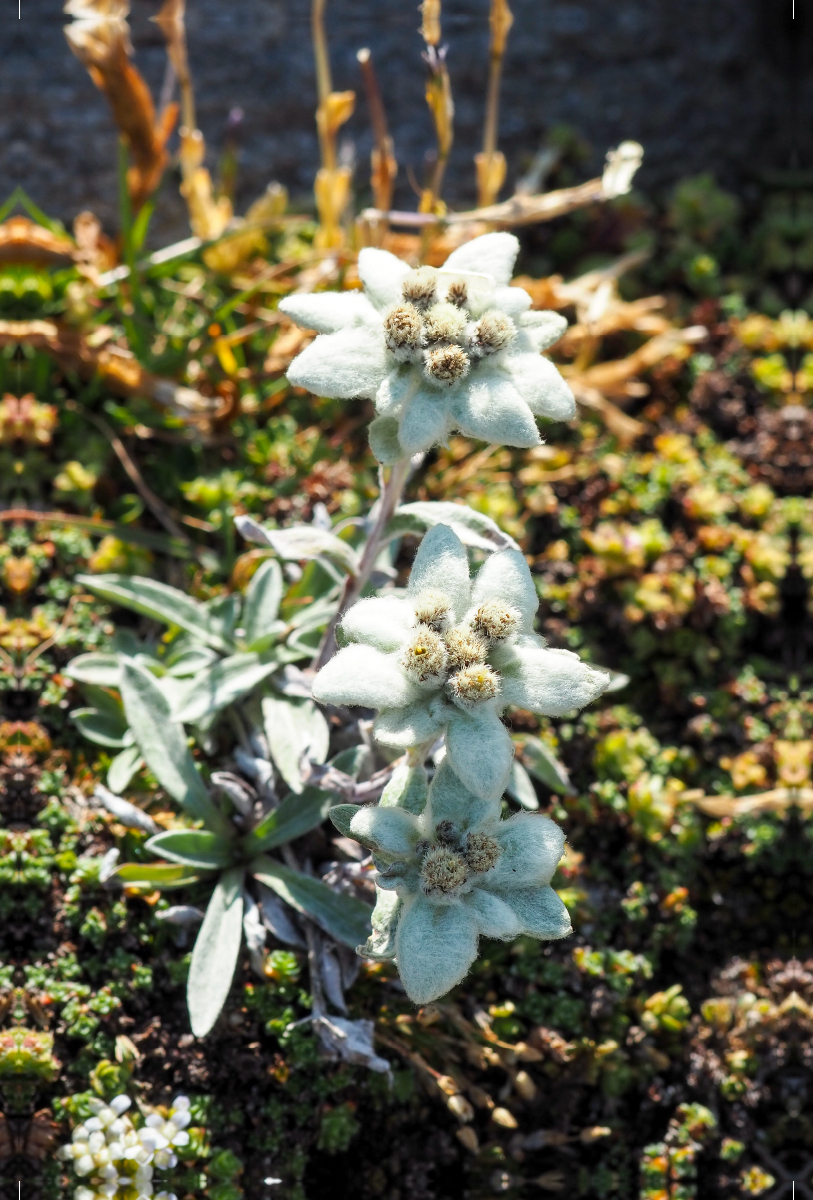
<point x="293" y="726"/>
<point x="520" y="787"/>
<point x="341" y="815"/>
<point x="342" y="916"/>
<point x="300" y="542"/>
<point x="218" y="686"/>
<point x="193" y="848"/>
<point x="214" y="957"/>
<point x="473" y="528"/>
<point x="102" y="728"/>
<point x="261" y="605"/>
<point x="543" y="764"/>
<point x="352" y="761"/>
<point x="189" y="660"/>
<point x="159" y="601"/>
<point x="103" y="670"/>
<point x="123" y="768"/>
<point x="297" y="815"/>
<point x="158" y="875"/>
<point x="163" y="744"/>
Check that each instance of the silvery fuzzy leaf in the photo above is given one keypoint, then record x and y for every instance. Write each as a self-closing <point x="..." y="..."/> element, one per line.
<point x="258" y="769"/>
<point x="103" y="670"/>
<point x="391" y="831"/>
<point x="618" y="681"/>
<point x="543" y="764"/>
<point x="350" y="965"/>
<point x="254" y="932"/>
<point x="541" y="386"/>
<point x="480" y="751"/>
<point x="410" y="725"/>
<point x="300" y="542"/>
<point x="294" y="728"/>
<point x="261" y="604"/>
<point x="343" y="365"/>
<point x="327" y="312"/>
<point x="494" y="916"/>
<point x="407" y="789"/>
<point x="543" y="328"/>
<point x="278" y="918"/>
<point x="512" y="300"/>
<point x="540" y="912"/>
<point x="292" y="681"/>
<point x="351" y="1041"/>
<point x="126" y="813"/>
<point x="492" y="254"/>
<point x="183" y="915"/>
<point x="435" y="945"/>
<point x="473" y="528"/>
<point x="108" y="865"/>
<point x="380" y="621"/>
<point x="363" y="676"/>
<point x="450" y="800"/>
<point x="506" y="577"/>
<point x="382" y="275"/>
<point x="551" y="682"/>
<point x="442" y="564"/>
<point x="380" y="945"/>
<point x="218" y="686"/>
<point x="214" y="957"/>
<point x="531" y="846"/>
<point x="384" y="441"/>
<point x="521" y="789"/>
<point x="330" y="972"/>
<point x="343" y="917"/>
<point x="241" y="795"/>
<point x="190" y="661"/>
<point x="492" y="409"/>
<point x="161" y="602"/>
<point x="103" y="728"/>
<point x="123" y="767"/>
<point x="425" y="421"/>
<point x="342" y="816"/>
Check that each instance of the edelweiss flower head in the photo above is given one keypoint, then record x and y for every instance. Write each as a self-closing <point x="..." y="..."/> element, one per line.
<point x="438" y="350"/>
<point x="451" y="873"/>
<point x="451" y="656"/>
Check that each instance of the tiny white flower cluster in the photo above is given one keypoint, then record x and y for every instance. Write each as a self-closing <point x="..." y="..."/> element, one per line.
<point x="117" y="1160"/>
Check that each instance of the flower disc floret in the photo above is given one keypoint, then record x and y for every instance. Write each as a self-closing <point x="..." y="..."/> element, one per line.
<point x="445" y="365"/>
<point x="496" y="621"/>
<point x="420" y="287"/>
<point x="443" y="871"/>
<point x="443" y="323"/>
<point x="424" y="656"/>
<point x="432" y="608"/>
<point x="492" y="333"/>
<point x="464" y="647"/>
<point x="403" y="331"/>
<point x="482" y="852"/>
<point x="474" y="685"/>
<point x="457" y="293"/>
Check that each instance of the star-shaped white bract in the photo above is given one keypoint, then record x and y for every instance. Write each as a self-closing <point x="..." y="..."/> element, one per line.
<point x="458" y="872"/>
<point x="451" y="656"/>
<point x="437" y="350"/>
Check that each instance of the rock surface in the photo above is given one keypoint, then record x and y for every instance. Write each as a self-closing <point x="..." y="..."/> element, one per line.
<point x="704" y="86"/>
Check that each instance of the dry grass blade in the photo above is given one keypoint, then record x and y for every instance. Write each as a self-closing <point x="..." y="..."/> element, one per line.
<point x="99" y="37"/>
<point x="490" y="164"/>
<point x="383" y="165"/>
<point x="777" y="800"/>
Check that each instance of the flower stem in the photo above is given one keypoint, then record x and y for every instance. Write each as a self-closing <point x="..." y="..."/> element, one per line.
<point x="354" y="585"/>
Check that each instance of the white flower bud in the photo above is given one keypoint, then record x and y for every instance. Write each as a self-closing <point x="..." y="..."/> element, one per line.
<point x="83" y="1165"/>
<point x="115" y="1151"/>
<point x="106" y="1116"/>
<point x="419" y="287"/>
<point x="107" y="1189"/>
<point x="495" y="620"/>
<point x="464" y="647"/>
<point x="443" y="323"/>
<point x="65" y="1153"/>
<point x="432" y="608"/>
<point x="165" y="1159"/>
<point x="83" y="1193"/>
<point x="118" y="1127"/>
<point x="108" y="1171"/>
<point x="120" y="1104"/>
<point x="80" y="1134"/>
<point x="492" y="333"/>
<point x="473" y="685"/>
<point x="424" y="656"/>
<point x="443" y="871"/>
<point x="93" y="1125"/>
<point x="181" y="1102"/>
<point x="481" y="852"/>
<point x="445" y="365"/>
<point x="181" y="1138"/>
<point x="96" y="1141"/>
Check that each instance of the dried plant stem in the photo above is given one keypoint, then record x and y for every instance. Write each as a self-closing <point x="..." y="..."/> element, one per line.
<point x="388" y="502"/>
<point x="384" y="167"/>
<point x="491" y="163"/>
<point x="332" y="183"/>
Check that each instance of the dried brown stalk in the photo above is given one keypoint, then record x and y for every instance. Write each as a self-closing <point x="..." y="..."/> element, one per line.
<point x="208" y="215"/>
<point x="383" y="165"/>
<point x="100" y="38"/>
<point x="332" y="184"/>
<point x="490" y="164"/>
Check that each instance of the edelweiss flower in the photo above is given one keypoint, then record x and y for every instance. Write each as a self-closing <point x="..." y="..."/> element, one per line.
<point x="451" y="656"/>
<point x="438" y="350"/>
<point x="457" y="872"/>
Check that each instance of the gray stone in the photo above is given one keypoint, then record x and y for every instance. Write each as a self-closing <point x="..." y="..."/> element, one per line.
<point x="702" y="85"/>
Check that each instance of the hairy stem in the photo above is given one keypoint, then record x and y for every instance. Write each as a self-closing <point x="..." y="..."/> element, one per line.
<point x="354" y="585"/>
